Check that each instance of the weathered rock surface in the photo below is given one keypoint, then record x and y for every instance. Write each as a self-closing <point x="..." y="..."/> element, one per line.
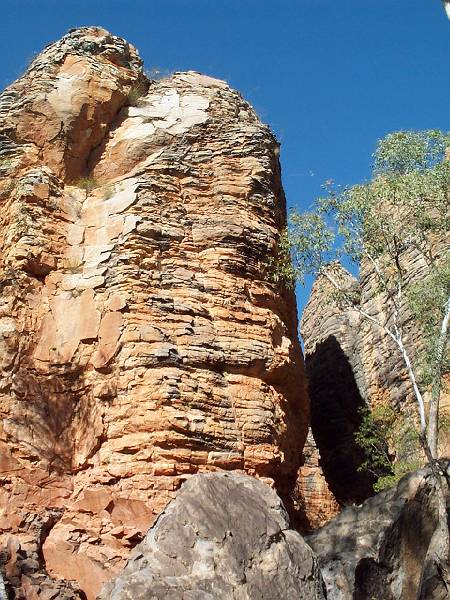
<point x="141" y="340"/>
<point x="336" y="385"/>
<point x="224" y="537"/>
<point x="351" y="363"/>
<point x="381" y="549"/>
<point x="318" y="504"/>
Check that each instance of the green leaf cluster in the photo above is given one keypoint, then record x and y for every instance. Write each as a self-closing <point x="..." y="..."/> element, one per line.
<point x="427" y="300"/>
<point x="390" y="444"/>
<point x="410" y="151"/>
<point x="86" y="183"/>
<point x="399" y="211"/>
<point x="279" y="268"/>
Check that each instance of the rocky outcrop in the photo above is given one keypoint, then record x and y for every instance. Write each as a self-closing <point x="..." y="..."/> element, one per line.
<point x="330" y="477"/>
<point x="318" y="504"/>
<point x="350" y="364"/>
<point x="142" y="340"/>
<point x="224" y="536"/>
<point x="382" y="548"/>
<point x="202" y="546"/>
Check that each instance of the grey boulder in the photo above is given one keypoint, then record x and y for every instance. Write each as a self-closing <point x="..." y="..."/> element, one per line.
<point x="224" y="537"/>
<point x="382" y="549"/>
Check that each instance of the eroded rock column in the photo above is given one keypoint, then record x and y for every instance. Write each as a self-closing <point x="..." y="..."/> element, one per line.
<point x="142" y="338"/>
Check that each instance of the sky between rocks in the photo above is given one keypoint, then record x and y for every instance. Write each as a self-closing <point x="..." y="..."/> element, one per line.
<point x="329" y="77"/>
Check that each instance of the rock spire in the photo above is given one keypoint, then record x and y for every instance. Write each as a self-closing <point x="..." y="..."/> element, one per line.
<point x="142" y="339"/>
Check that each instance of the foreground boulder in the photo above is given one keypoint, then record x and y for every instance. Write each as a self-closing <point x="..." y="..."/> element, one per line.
<point x="382" y="550"/>
<point x="224" y="536"/>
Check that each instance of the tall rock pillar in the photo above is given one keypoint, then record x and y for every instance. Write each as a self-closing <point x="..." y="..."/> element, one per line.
<point x="141" y="337"/>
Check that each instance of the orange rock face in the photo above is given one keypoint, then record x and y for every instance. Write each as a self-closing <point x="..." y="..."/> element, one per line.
<point x="318" y="503"/>
<point x="141" y="339"/>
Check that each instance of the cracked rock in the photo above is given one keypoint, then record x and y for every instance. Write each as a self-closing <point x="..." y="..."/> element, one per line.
<point x="142" y="339"/>
<point x="224" y="537"/>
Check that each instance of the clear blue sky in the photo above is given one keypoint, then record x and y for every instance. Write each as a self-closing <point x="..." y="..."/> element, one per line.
<point x="330" y="76"/>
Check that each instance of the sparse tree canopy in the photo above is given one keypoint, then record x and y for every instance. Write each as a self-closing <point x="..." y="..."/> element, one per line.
<point x="402" y="213"/>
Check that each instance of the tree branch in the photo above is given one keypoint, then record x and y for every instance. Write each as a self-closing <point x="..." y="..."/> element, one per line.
<point x="396" y="336"/>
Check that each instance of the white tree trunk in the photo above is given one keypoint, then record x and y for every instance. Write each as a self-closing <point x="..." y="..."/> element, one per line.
<point x="447" y="7"/>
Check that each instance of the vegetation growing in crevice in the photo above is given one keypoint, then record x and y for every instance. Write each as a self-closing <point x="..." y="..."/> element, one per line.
<point x="136" y="92"/>
<point x="279" y="267"/>
<point x="390" y="443"/>
<point x="86" y="183"/>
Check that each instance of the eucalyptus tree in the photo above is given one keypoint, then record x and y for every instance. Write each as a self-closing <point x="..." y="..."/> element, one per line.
<point x="402" y="213"/>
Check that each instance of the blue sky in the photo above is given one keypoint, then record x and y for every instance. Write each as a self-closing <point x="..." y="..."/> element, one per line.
<point x="330" y="77"/>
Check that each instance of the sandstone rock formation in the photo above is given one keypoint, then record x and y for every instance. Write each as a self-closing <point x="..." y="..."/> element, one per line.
<point x="336" y="385"/>
<point x="224" y="537"/>
<point x="329" y="477"/>
<point x="351" y="363"/>
<point x="318" y="504"/>
<point x="381" y="549"/>
<point x="141" y="338"/>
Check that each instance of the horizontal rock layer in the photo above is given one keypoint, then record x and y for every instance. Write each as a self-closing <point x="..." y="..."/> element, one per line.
<point x="141" y="337"/>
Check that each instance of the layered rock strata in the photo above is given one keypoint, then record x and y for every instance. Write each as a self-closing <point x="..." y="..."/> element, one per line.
<point x="206" y="549"/>
<point x="352" y="363"/>
<point x="142" y="340"/>
<point x="318" y="504"/>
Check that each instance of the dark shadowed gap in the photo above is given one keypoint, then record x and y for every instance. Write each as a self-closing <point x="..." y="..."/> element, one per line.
<point x="335" y="416"/>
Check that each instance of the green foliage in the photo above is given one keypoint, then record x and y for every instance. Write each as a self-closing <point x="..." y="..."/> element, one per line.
<point x="372" y="436"/>
<point x="311" y="241"/>
<point x="403" y="214"/>
<point x="86" y="183"/>
<point x="408" y="151"/>
<point x="399" y="469"/>
<point x="279" y="267"/>
<point x="390" y="444"/>
<point x="136" y="92"/>
<point x="427" y="300"/>
<point x="403" y="210"/>
<point x="405" y="203"/>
